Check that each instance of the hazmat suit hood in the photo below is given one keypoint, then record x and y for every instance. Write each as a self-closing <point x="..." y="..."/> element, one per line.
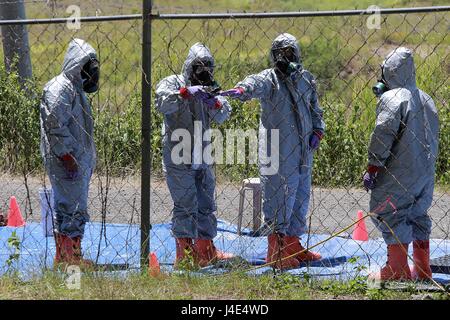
<point x="399" y="70"/>
<point x="67" y="127"/>
<point x="197" y="52"/>
<point x="78" y="54"/>
<point x="282" y="41"/>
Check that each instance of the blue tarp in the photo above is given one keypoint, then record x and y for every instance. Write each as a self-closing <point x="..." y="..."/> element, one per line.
<point x="343" y="258"/>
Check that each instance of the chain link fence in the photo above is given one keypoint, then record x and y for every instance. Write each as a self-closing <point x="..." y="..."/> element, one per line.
<point x="343" y="50"/>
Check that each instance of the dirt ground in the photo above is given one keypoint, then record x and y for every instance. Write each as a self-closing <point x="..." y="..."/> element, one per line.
<point x="330" y="209"/>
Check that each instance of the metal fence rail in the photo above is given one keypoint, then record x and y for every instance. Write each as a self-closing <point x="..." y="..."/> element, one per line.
<point x="129" y="194"/>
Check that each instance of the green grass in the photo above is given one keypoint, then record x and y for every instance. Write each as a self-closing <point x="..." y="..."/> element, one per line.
<point x="107" y="7"/>
<point x="180" y="287"/>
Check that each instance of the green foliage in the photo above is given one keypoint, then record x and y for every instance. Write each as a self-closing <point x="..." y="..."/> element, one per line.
<point x="19" y="124"/>
<point x="342" y="157"/>
<point x="118" y="138"/>
<point x="356" y="285"/>
<point x="14" y="243"/>
<point x="432" y="79"/>
<point x="325" y="58"/>
<point x="443" y="162"/>
<point x="188" y="263"/>
<point x="340" y="161"/>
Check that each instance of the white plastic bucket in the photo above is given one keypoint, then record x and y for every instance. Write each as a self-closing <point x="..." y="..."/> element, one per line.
<point x="46" y="197"/>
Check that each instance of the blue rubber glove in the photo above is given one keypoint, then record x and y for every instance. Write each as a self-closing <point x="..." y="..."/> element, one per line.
<point x="213" y="103"/>
<point x="369" y="178"/>
<point x="233" y="93"/>
<point x="314" y="140"/>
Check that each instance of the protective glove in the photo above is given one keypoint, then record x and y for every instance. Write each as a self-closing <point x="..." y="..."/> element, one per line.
<point x="196" y="92"/>
<point x="233" y="93"/>
<point x="370" y="176"/>
<point x="314" y="140"/>
<point x="70" y="165"/>
<point x="213" y="103"/>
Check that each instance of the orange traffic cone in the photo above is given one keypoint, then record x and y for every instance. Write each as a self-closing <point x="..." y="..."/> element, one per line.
<point x="360" y="232"/>
<point x="154" y="269"/>
<point x="15" y="218"/>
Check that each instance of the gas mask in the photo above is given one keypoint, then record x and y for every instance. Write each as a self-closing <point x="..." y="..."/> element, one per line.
<point x="381" y="86"/>
<point x="285" y="61"/>
<point x="203" y="74"/>
<point x="90" y="75"/>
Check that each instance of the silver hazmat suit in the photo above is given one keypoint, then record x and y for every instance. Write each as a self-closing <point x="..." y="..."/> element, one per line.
<point x="404" y="144"/>
<point x="290" y="105"/>
<point x="67" y="127"/>
<point x="191" y="183"/>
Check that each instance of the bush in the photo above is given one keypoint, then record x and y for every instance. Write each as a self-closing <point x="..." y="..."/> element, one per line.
<point x="340" y="161"/>
<point x="118" y="138"/>
<point x="19" y="124"/>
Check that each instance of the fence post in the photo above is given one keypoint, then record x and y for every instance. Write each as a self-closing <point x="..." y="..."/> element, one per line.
<point x="146" y="133"/>
<point x="15" y="38"/>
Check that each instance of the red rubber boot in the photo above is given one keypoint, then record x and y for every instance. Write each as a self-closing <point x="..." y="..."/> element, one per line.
<point x="396" y="267"/>
<point x="294" y="245"/>
<point x="64" y="250"/>
<point x="278" y="253"/>
<point x="78" y="254"/>
<point x="421" y="254"/>
<point x="207" y="252"/>
<point x="68" y="252"/>
<point x="184" y="253"/>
